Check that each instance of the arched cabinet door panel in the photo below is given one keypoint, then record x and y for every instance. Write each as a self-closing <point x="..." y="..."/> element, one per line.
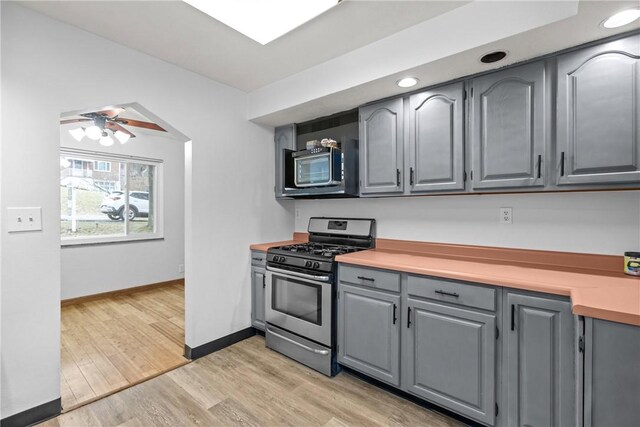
<point x="381" y="147"/>
<point x="436" y="140"/>
<point x="598" y="114"/>
<point x="508" y="128"/>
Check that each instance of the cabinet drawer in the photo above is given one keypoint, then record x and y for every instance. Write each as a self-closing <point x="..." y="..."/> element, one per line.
<point x="258" y="258"/>
<point x="377" y="279"/>
<point x="453" y="292"/>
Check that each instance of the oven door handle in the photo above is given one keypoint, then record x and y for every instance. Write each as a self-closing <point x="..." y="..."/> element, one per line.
<point x="297" y="274"/>
<point x="306" y="347"/>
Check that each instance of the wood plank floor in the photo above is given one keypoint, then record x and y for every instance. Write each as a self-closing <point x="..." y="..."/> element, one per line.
<point x="113" y="342"/>
<point x="249" y="385"/>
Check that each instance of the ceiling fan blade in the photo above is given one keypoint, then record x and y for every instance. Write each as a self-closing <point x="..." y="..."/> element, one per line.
<point x="138" y="123"/>
<point x="67" y="121"/>
<point x="114" y="127"/>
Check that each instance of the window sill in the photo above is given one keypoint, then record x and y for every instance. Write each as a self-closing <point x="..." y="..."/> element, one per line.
<point x="83" y="241"/>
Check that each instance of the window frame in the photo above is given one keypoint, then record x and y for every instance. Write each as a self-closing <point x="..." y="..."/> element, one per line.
<point x="158" y="205"/>
<point x="96" y="164"/>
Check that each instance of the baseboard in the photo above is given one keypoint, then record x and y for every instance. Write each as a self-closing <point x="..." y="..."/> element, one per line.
<point x="87" y="298"/>
<point x="219" y="344"/>
<point x="35" y="415"/>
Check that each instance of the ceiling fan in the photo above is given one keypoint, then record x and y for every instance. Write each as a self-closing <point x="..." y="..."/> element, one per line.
<point x="107" y="120"/>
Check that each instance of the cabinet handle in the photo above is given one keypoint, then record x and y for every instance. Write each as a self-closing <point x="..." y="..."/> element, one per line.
<point x="411" y="177"/>
<point x="395" y="307"/>
<point x="368" y="279"/>
<point x="562" y="164"/>
<point x="539" y="165"/>
<point x="451" y="294"/>
<point x="257" y="259"/>
<point x="408" y="317"/>
<point x="513" y="317"/>
<point x="398" y="177"/>
<point x="264" y="284"/>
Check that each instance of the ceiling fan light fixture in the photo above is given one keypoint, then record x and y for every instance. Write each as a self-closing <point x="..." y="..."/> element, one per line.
<point x="263" y="21"/>
<point x="93" y="132"/>
<point x="106" y="140"/>
<point x="77" y="134"/>
<point x="122" y="137"/>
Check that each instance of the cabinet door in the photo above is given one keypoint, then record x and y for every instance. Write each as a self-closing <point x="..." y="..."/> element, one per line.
<point x="450" y="358"/>
<point x="540" y="362"/>
<point x="508" y="130"/>
<point x="369" y="332"/>
<point x="257" y="297"/>
<point x="381" y="147"/>
<point x="436" y="139"/>
<point x="598" y="130"/>
<point x="285" y="139"/>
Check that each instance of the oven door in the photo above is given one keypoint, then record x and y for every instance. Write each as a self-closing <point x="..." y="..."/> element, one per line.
<point x="300" y="303"/>
<point x="318" y="170"/>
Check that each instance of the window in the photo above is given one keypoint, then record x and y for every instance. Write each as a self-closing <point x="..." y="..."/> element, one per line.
<point x="102" y="166"/>
<point x="123" y="205"/>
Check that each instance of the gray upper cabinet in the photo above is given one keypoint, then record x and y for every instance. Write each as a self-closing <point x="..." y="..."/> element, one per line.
<point x="598" y="114"/>
<point x="540" y="362"/>
<point x="381" y="147"/>
<point x="369" y="332"/>
<point x="285" y="139"/>
<point x="508" y="128"/>
<point x="451" y="358"/>
<point x="436" y="140"/>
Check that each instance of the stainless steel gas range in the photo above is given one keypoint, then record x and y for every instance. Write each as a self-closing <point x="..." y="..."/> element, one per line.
<point x="301" y="290"/>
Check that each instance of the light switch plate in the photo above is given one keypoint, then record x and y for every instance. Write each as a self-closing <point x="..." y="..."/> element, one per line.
<point x="24" y="219"/>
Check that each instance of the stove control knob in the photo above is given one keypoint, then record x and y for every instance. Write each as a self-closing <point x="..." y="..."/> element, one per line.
<point x="282" y="259"/>
<point x="308" y="264"/>
<point x="316" y="265"/>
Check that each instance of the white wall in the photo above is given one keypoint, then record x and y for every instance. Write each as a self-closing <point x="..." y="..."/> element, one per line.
<point x="87" y="270"/>
<point x="48" y="68"/>
<point x="601" y="223"/>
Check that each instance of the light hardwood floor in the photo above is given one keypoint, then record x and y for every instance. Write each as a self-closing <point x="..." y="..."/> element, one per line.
<point x="113" y="342"/>
<point x="249" y="385"/>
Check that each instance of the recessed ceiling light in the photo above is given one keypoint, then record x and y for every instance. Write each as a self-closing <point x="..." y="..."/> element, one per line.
<point x="262" y="20"/>
<point x="407" y="82"/>
<point x="622" y="18"/>
<point x="492" y="57"/>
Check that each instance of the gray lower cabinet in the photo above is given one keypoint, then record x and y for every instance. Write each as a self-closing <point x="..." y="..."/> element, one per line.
<point x="507" y="132"/>
<point x="451" y="358"/>
<point x="436" y="139"/>
<point x="381" y="147"/>
<point x="540" y="361"/>
<point x="369" y="332"/>
<point x="612" y="374"/>
<point x="285" y="139"/>
<point x="257" y="297"/>
<point x="598" y="114"/>
<point x="258" y="260"/>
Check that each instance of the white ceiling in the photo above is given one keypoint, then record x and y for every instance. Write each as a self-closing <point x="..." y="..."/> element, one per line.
<point x="351" y="55"/>
<point x="180" y="34"/>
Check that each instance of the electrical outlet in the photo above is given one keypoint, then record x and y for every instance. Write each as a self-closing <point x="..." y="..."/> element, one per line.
<point x="297" y="213"/>
<point x="24" y="219"/>
<point x="506" y="215"/>
<point x="180" y="268"/>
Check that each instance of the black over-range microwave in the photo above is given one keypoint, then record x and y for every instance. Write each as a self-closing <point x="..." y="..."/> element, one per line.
<point x="324" y="171"/>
